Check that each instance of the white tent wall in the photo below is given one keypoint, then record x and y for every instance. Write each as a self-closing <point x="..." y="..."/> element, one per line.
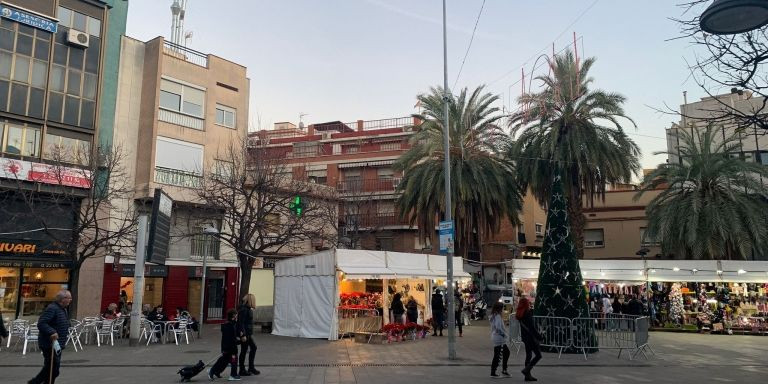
<point x="306" y="295"/>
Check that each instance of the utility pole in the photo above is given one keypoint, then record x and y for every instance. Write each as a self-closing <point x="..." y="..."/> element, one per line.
<point x="448" y="216"/>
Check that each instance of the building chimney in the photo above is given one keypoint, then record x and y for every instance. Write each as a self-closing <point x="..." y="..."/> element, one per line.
<point x="359" y="125"/>
<point x="311" y="130"/>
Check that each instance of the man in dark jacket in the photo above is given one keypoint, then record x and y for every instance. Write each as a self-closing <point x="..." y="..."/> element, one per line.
<point x="53" y="325"/>
<point x="438" y="313"/>
<point x="231" y="336"/>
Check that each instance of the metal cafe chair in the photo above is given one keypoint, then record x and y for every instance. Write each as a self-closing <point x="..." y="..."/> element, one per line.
<point x="17" y="328"/>
<point x="30" y="336"/>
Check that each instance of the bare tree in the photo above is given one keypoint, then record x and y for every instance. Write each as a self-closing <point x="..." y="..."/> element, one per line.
<point x="75" y="201"/>
<point x="263" y="209"/>
<point x="736" y="63"/>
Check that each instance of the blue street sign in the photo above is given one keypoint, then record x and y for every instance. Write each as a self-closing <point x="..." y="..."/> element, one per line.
<point x="27" y="18"/>
<point x="445" y="230"/>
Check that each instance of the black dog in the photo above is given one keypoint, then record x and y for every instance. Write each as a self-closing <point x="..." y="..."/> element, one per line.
<point x="190" y="371"/>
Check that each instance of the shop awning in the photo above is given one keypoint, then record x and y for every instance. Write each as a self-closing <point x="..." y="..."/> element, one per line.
<point x="361" y="264"/>
<point x="371" y="163"/>
<point x="657" y="270"/>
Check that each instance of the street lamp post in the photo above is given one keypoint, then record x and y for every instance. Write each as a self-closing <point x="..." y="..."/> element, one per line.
<point x="210" y="231"/>
<point x="728" y="17"/>
<point x="447" y="176"/>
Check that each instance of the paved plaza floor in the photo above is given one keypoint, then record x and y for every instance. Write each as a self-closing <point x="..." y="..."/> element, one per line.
<point x="679" y="358"/>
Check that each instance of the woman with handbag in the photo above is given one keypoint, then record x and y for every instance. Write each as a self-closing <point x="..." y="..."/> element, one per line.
<point x="499" y="339"/>
<point x="530" y="337"/>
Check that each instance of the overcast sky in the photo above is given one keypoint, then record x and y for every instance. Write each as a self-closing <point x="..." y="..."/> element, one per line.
<point x="368" y="59"/>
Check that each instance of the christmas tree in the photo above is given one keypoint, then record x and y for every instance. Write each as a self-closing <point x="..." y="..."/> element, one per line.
<point x="675" y="304"/>
<point x="560" y="291"/>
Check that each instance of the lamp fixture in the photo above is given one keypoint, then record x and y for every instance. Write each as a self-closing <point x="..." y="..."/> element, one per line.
<point x="719" y="271"/>
<point x="729" y="17"/>
<point x="741" y="271"/>
<point x="676" y="269"/>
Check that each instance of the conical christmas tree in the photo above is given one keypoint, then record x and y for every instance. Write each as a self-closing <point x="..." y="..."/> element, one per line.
<point x="560" y="291"/>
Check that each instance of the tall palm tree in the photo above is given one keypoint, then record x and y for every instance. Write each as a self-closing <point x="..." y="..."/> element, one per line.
<point x="715" y="206"/>
<point x="483" y="188"/>
<point x="569" y="126"/>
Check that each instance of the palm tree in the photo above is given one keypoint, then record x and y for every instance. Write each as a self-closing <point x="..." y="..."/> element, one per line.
<point x="571" y="129"/>
<point x="715" y="206"/>
<point x="483" y="187"/>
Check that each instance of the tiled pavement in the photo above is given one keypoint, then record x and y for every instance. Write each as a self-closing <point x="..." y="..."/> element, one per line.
<point x="680" y="358"/>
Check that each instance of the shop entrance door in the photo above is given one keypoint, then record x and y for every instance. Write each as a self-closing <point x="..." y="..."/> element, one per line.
<point x="215" y="299"/>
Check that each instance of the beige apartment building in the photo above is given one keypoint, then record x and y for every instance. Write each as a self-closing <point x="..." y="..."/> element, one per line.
<point x="177" y="110"/>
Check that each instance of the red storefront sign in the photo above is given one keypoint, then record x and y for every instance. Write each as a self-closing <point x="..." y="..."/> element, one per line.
<point x="44" y="173"/>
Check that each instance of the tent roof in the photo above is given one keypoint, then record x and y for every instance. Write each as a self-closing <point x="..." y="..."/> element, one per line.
<point x="657" y="270"/>
<point x="362" y="264"/>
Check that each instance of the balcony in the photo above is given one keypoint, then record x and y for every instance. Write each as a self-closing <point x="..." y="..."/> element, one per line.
<point x="356" y="187"/>
<point x="204" y="245"/>
<point x="376" y="220"/>
<point x="177" y="177"/>
<point x="181" y="119"/>
<point x="185" y="54"/>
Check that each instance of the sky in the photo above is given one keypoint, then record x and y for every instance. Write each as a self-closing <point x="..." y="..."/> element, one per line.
<point x="353" y="60"/>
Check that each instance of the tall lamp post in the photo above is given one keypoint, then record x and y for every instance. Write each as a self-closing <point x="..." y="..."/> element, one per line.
<point x="728" y="17"/>
<point x="448" y="206"/>
<point x="210" y="231"/>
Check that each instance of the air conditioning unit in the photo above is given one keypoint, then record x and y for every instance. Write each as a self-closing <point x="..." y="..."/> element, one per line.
<point x="327" y="135"/>
<point x="78" y="38"/>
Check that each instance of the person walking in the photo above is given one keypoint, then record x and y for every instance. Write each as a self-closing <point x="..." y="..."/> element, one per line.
<point x="530" y="337"/>
<point x="231" y="336"/>
<point x="438" y="313"/>
<point x="245" y="320"/>
<point x="53" y="325"/>
<point x="397" y="308"/>
<point x="412" y="310"/>
<point x="458" y="310"/>
<point x="499" y="340"/>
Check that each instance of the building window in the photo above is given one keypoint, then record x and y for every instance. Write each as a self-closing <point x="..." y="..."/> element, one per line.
<point x="385" y="244"/>
<point x="23" y="69"/>
<point x="20" y="139"/>
<point x="225" y="116"/>
<point x="354" y="148"/>
<point x="178" y="162"/>
<point x="539" y="229"/>
<point x="79" y="21"/>
<point x="391" y="146"/>
<point x="66" y="150"/>
<point x="763" y="157"/>
<point x="385" y="173"/>
<point x="593" y="238"/>
<point x="646" y="242"/>
<point x="305" y="149"/>
<point x="182" y="98"/>
<point x="385" y="208"/>
<point x="317" y="176"/>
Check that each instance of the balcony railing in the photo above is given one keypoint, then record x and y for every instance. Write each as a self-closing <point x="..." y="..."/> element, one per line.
<point x="362" y="186"/>
<point x="177" y="177"/>
<point x="376" y="220"/>
<point x="180" y="119"/>
<point x="186" y="54"/>
<point x="204" y="245"/>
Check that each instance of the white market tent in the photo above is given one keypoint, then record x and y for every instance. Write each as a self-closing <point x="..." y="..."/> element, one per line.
<point x="732" y="271"/>
<point x="307" y="287"/>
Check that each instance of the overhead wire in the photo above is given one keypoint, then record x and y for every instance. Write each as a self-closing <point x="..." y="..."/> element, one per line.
<point x="471" y="39"/>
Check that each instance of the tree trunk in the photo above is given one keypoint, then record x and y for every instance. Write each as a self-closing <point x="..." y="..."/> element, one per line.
<point x="74" y="278"/>
<point x="246" y="263"/>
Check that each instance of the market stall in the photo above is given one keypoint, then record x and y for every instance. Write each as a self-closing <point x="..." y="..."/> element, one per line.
<point x="335" y="292"/>
<point x="704" y="295"/>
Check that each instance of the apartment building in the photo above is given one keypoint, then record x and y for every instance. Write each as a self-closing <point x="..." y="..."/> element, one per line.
<point x="178" y="110"/>
<point x="58" y="75"/>
<point x="696" y="115"/>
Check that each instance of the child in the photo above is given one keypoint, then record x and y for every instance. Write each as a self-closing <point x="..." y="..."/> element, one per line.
<point x="231" y="336"/>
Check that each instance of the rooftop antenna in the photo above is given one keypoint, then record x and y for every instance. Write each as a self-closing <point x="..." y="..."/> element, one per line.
<point x="177" y="22"/>
<point x="301" y="119"/>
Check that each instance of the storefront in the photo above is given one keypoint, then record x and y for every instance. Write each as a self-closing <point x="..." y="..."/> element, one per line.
<point x="31" y="273"/>
<point x="338" y="292"/>
<point x="176" y="284"/>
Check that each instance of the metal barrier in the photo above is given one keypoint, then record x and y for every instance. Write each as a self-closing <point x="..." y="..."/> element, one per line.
<point x="589" y="334"/>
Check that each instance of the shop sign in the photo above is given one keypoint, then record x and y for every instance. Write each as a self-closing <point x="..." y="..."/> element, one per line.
<point x="160" y="227"/>
<point x="34" y="264"/>
<point x="44" y="173"/>
<point x="31" y="247"/>
<point x="28" y="18"/>
<point x="10" y="247"/>
<point x="149" y="270"/>
<point x="269" y="262"/>
<point x="258" y="263"/>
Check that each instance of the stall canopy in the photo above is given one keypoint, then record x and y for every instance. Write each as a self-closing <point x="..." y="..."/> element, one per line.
<point x="307" y="291"/>
<point x="736" y="271"/>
